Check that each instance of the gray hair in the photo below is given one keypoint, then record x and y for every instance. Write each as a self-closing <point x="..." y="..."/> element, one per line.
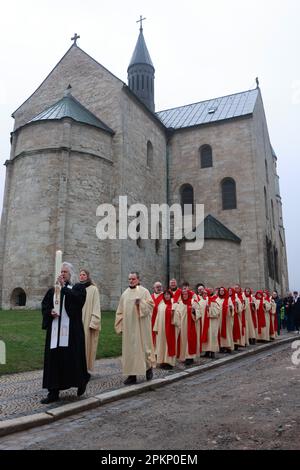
<point x="73" y="275"/>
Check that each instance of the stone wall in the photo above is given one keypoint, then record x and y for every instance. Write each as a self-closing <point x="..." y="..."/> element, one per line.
<point x="232" y="157"/>
<point x="216" y="265"/>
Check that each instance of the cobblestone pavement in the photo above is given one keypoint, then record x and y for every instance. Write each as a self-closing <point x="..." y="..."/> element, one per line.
<point x="20" y="394"/>
<point x="252" y="403"/>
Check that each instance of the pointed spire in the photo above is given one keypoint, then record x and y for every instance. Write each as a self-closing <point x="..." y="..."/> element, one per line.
<point x="141" y="71"/>
<point x="141" y="54"/>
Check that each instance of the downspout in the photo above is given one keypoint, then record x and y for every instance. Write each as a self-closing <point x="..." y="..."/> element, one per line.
<point x="168" y="152"/>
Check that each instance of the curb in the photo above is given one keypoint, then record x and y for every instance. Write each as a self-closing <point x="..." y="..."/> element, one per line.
<point x="38" y="419"/>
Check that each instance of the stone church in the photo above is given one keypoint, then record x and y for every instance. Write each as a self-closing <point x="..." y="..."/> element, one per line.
<point x="84" y="138"/>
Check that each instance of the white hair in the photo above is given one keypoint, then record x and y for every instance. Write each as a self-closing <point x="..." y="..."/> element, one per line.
<point x="73" y="275"/>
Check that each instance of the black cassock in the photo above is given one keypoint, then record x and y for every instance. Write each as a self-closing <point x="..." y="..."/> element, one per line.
<point x="65" y="367"/>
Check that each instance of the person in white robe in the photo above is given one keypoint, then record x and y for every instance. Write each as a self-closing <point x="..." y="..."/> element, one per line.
<point x="91" y="318"/>
<point x="263" y="318"/>
<point x="133" y="321"/>
<point x="226" y="321"/>
<point x="210" y="313"/>
<point x="251" y="316"/>
<point x="166" y="328"/>
<point x="189" y="314"/>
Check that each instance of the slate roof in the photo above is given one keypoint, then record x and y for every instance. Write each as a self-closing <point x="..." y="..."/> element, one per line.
<point x="204" y="112"/>
<point x="215" y="230"/>
<point x="69" y="107"/>
<point x="140" y="54"/>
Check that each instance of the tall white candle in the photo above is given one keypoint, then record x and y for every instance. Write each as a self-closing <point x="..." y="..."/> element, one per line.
<point x="58" y="263"/>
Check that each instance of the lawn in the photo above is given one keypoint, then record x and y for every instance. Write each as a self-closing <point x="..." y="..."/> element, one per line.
<point x="24" y="339"/>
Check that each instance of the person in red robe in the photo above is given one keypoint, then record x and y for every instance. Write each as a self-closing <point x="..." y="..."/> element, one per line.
<point x="166" y="329"/>
<point x="157" y="297"/>
<point x="189" y="314"/>
<point x="175" y="290"/>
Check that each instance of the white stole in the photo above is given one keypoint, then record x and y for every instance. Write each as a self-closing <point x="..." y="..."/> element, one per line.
<point x="64" y="328"/>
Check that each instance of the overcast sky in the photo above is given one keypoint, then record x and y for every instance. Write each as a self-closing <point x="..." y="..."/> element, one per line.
<point x="200" y="49"/>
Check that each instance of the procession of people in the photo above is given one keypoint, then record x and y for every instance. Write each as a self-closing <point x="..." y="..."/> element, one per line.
<point x="171" y="324"/>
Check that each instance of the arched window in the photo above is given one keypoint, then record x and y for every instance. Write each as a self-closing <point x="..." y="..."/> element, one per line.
<point x="157" y="240"/>
<point x="18" y="297"/>
<point x="266" y="203"/>
<point x="187" y="199"/>
<point x="273" y="214"/>
<point x="228" y="194"/>
<point x="276" y="265"/>
<point x="267" y="173"/>
<point x="206" y="160"/>
<point x="149" y="154"/>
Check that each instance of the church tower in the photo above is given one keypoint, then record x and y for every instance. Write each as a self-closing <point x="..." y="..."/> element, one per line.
<point x="141" y="72"/>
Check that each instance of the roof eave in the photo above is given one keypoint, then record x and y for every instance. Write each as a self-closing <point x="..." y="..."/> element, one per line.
<point x="43" y="121"/>
<point x="212" y="123"/>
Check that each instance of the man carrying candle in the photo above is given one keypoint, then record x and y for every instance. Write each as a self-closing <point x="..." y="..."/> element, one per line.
<point x="133" y="320"/>
<point x="64" y="360"/>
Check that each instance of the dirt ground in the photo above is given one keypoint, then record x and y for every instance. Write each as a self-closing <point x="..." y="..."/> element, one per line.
<point x="253" y="403"/>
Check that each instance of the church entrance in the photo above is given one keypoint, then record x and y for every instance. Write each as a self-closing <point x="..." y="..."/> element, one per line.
<point x="18" y="298"/>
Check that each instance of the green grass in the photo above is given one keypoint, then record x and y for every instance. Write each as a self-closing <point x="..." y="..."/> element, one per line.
<point x="25" y="340"/>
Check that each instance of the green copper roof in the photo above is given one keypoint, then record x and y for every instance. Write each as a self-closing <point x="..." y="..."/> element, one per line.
<point x="215" y="230"/>
<point x="69" y="107"/>
<point x="140" y="54"/>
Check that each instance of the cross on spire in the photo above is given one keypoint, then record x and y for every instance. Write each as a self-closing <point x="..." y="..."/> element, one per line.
<point x="74" y="38"/>
<point x="141" y="22"/>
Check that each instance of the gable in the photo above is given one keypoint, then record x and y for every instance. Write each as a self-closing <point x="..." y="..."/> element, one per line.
<point x="91" y="85"/>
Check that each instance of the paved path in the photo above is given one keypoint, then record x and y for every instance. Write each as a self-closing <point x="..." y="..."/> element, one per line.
<point x="20" y="394"/>
<point x="252" y="403"/>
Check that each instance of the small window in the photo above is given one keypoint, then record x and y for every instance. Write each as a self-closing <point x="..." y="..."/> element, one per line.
<point x="267" y="173"/>
<point x="149" y="154"/>
<point x="187" y="199"/>
<point x="273" y="214"/>
<point x="206" y="156"/>
<point x="142" y="82"/>
<point x="228" y="194"/>
<point x="137" y="82"/>
<point x="266" y="203"/>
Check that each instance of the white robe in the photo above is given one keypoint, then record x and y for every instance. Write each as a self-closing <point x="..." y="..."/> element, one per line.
<point x="159" y="328"/>
<point x="91" y="319"/>
<point x="137" y="346"/>
<point x="184" y="346"/>
<point x="212" y="343"/>
<point x="228" y="341"/>
<point x="251" y="331"/>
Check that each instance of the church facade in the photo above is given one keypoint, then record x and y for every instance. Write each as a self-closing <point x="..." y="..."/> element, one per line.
<point x="84" y="138"/>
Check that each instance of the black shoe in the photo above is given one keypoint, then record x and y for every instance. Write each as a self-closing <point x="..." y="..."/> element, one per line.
<point x="149" y="374"/>
<point x="81" y="390"/>
<point x="236" y="347"/>
<point x="213" y="355"/>
<point x="207" y="354"/>
<point x="50" y="398"/>
<point x="189" y="362"/>
<point x="131" y="379"/>
<point x="168" y="367"/>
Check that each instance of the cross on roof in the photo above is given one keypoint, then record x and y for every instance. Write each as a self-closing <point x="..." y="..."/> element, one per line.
<point x="141" y="21"/>
<point x="74" y="38"/>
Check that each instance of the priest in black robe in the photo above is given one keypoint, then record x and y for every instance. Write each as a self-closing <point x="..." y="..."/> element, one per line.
<point x="64" y="360"/>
